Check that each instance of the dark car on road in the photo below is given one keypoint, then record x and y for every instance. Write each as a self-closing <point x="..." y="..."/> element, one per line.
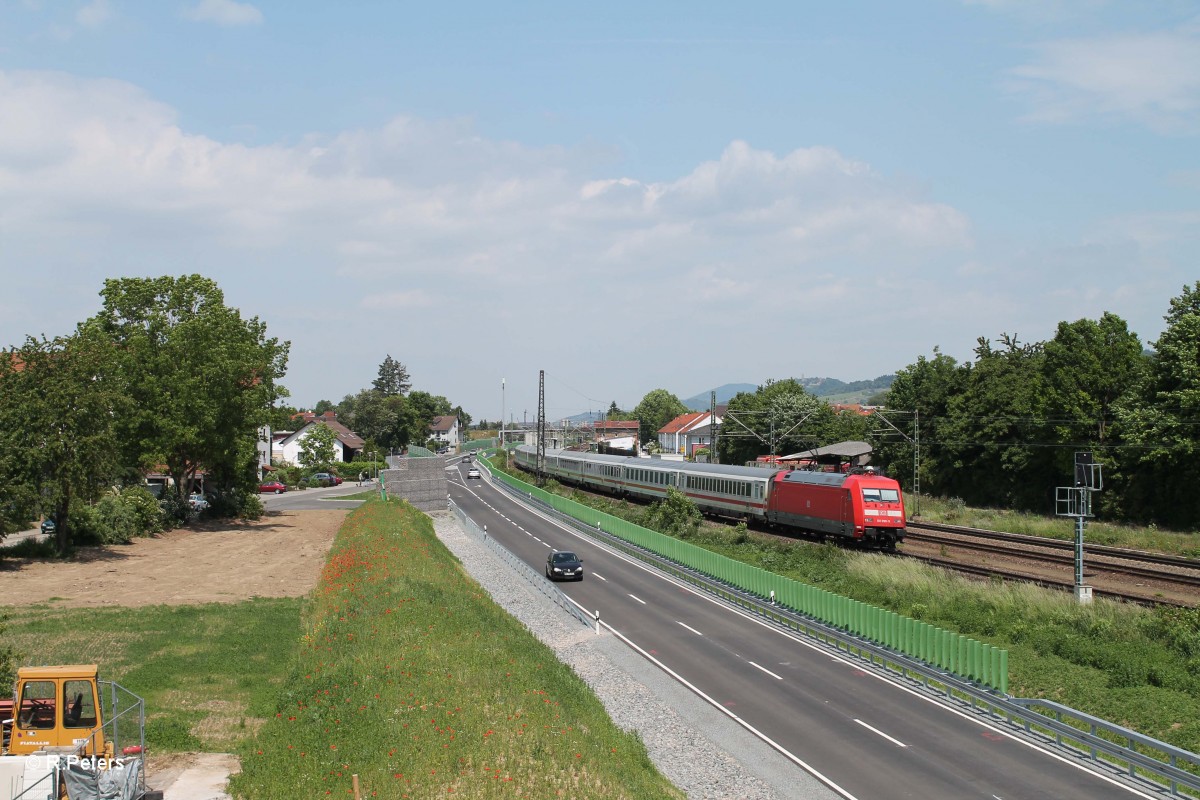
<point x="323" y="479"/>
<point x="563" y="565"/>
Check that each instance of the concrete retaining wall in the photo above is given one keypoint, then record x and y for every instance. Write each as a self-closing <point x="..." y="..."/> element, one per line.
<point x="420" y="481"/>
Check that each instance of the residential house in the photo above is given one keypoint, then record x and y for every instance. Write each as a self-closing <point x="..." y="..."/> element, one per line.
<point x="446" y="431"/>
<point x="346" y="445"/>
<point x="620" y="434"/>
<point x="687" y="433"/>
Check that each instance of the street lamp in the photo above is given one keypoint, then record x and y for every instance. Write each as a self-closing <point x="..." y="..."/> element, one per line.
<point x="502" y="412"/>
<point x="373" y="468"/>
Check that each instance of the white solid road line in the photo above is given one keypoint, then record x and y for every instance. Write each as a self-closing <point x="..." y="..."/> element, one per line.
<point x="878" y="732"/>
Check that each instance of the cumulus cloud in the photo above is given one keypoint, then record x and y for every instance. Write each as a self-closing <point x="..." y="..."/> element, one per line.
<point x="98" y="178"/>
<point x="224" y="12"/>
<point x="1151" y="78"/>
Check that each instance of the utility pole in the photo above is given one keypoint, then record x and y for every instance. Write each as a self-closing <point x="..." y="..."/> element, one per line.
<point x="502" y="412"/>
<point x="1076" y="501"/>
<point x="712" y="428"/>
<point x="541" y="425"/>
<point x="915" y="440"/>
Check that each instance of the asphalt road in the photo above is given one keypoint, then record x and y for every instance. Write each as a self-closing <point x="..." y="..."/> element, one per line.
<point x="310" y="499"/>
<point x="865" y="735"/>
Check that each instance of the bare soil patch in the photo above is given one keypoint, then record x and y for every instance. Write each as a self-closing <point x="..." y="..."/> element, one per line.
<point x="280" y="555"/>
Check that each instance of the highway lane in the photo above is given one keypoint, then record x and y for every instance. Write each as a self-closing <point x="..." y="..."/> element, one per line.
<point x="870" y="736"/>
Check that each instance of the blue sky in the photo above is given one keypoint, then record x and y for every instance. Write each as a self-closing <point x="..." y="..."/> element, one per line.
<point x="629" y="196"/>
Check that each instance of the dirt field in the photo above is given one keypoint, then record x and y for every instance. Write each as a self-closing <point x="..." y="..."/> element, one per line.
<point x="281" y="555"/>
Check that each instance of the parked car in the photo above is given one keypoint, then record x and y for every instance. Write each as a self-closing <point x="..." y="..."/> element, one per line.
<point x="198" y="502"/>
<point x="472" y="473"/>
<point x="323" y="479"/>
<point x="564" y="565"/>
<point x="272" y="486"/>
<point x="48" y="527"/>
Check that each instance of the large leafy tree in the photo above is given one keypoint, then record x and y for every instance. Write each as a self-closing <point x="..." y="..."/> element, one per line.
<point x="58" y="443"/>
<point x="657" y="408"/>
<point x="1158" y="426"/>
<point x="200" y="379"/>
<point x="377" y="417"/>
<point x="779" y="417"/>
<point x="1089" y="366"/>
<point x="918" y="400"/>
<point x="995" y="429"/>
<point x="419" y="411"/>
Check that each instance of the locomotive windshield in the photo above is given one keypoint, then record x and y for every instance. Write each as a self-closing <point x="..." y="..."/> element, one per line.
<point x="873" y="495"/>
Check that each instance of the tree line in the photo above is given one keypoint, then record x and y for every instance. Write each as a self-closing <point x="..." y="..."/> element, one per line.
<point x="164" y="378"/>
<point x="1002" y="430"/>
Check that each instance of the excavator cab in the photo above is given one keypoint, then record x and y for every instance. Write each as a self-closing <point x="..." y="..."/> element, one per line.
<point x="56" y="710"/>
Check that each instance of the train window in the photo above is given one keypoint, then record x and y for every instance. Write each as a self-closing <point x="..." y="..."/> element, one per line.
<point x="873" y="495"/>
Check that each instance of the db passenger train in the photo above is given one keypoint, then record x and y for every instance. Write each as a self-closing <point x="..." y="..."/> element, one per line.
<point x="860" y="506"/>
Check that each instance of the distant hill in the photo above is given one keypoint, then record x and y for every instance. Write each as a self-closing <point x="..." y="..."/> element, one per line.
<point x="831" y="388"/>
<point x="724" y="394"/>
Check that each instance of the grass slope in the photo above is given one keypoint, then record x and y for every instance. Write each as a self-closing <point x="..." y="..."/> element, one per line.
<point x="409" y="676"/>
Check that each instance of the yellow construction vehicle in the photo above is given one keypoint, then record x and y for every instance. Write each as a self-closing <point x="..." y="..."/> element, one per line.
<point x="61" y="739"/>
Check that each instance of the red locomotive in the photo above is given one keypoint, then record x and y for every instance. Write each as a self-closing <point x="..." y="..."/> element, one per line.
<point x="862" y="506"/>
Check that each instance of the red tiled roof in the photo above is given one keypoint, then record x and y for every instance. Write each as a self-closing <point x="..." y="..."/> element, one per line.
<point x="683" y="421"/>
<point x="616" y="425"/>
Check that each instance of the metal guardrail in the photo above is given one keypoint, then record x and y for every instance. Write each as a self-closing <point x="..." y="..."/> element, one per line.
<point x="534" y="577"/>
<point x="1142" y="760"/>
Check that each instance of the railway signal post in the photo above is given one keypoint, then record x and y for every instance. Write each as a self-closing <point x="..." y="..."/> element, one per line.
<point x="1076" y="501"/>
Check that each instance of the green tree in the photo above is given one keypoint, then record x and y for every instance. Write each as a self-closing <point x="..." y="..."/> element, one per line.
<point x="419" y="411"/>
<point x="317" y="448"/>
<point x="322" y="406"/>
<point x="920" y="397"/>
<point x="58" y="445"/>
<point x="994" y="428"/>
<point x="200" y="379"/>
<point x="779" y="417"/>
<point x="1160" y="467"/>
<point x="378" y="417"/>
<point x="657" y="408"/>
<point x="1090" y="366"/>
<point x="393" y="378"/>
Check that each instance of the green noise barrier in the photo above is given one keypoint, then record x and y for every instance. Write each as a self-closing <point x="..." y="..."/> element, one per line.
<point x="956" y="654"/>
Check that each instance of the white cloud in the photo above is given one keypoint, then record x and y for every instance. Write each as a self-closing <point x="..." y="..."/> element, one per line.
<point x="424" y="217"/>
<point x="94" y="14"/>
<point x="224" y="12"/>
<point x="1152" y="79"/>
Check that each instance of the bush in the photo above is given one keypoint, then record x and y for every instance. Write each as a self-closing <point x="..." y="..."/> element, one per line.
<point x="175" y="509"/>
<point x="236" y="504"/>
<point x="146" y="510"/>
<point x="118" y="518"/>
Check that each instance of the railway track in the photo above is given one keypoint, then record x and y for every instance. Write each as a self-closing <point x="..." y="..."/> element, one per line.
<point x="1131" y="575"/>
